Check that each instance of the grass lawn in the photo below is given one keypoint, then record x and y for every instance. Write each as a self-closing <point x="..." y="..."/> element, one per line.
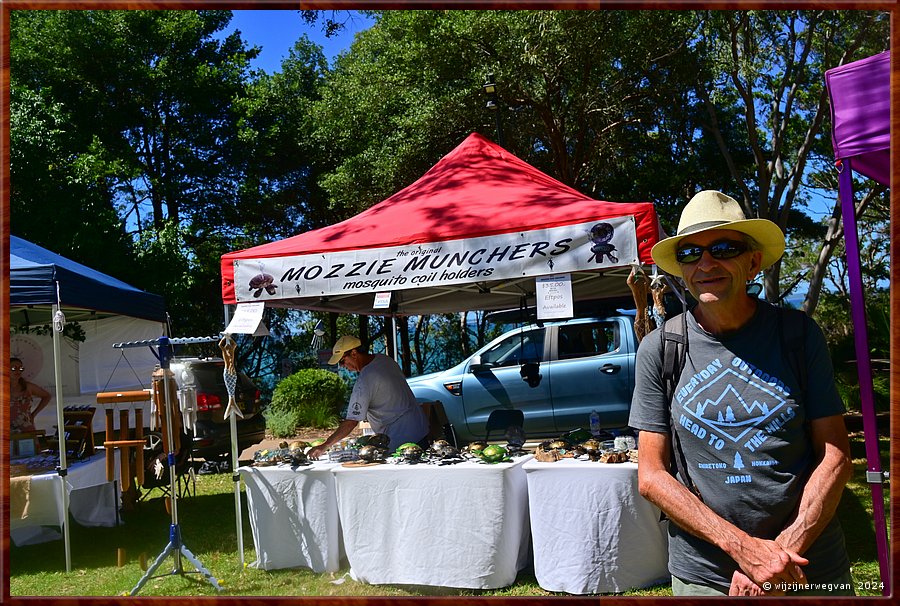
<point x="209" y="532"/>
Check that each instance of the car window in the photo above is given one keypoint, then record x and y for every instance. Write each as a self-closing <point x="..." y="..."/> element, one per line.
<point x="516" y="349"/>
<point x="588" y="339"/>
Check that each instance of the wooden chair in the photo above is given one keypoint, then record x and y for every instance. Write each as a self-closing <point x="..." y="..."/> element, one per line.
<point x="155" y="455"/>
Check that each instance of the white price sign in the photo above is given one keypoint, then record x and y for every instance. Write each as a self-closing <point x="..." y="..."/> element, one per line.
<point x="554" y="297"/>
<point x="248" y="320"/>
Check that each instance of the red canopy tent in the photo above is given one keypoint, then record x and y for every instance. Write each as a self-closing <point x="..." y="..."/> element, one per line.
<point x="471" y="233"/>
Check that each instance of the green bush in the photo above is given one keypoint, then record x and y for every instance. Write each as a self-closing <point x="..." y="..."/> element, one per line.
<point x="282" y="423"/>
<point x="310" y="398"/>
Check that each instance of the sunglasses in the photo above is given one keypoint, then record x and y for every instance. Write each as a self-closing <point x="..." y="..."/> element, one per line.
<point x="15" y="368"/>
<point x="724" y="249"/>
<point x="344" y="357"/>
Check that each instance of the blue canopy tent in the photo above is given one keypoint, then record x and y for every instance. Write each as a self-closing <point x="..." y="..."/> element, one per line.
<point x="46" y="288"/>
<point x="35" y="273"/>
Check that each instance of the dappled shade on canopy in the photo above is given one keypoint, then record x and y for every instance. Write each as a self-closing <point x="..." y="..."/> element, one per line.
<point x="471" y="233"/>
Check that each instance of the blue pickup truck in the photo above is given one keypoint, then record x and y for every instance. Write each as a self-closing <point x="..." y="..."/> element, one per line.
<point x="584" y="364"/>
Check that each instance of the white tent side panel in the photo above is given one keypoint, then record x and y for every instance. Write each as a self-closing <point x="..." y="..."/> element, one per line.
<point x="90" y="366"/>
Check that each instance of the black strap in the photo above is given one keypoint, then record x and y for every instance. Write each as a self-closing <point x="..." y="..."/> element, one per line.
<point x="675" y="343"/>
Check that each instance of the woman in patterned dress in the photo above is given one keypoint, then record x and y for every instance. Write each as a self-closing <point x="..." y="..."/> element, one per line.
<point x="22" y="393"/>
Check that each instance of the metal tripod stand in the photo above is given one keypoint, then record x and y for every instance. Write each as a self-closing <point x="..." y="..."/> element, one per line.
<point x="176" y="547"/>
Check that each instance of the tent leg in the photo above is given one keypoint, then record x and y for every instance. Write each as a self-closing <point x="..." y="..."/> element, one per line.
<point x="61" y="432"/>
<point x="235" y="476"/>
<point x="864" y="370"/>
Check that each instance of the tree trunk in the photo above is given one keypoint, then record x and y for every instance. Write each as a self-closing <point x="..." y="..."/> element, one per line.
<point x="817" y="275"/>
<point x="331" y="336"/>
<point x="771" y="279"/>
<point x="421" y="320"/>
<point x="404" y="346"/>
<point x="363" y="323"/>
<point x="464" y="333"/>
<point x="833" y="237"/>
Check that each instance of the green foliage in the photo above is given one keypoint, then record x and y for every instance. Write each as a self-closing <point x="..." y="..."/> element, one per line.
<point x="282" y="423"/>
<point x="833" y="316"/>
<point x="71" y="330"/>
<point x="581" y="95"/>
<point x="309" y="397"/>
<point x="126" y="121"/>
<point x="847" y="383"/>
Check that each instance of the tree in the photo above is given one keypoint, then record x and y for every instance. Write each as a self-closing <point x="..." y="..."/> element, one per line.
<point x="769" y="66"/>
<point x="148" y="105"/>
<point x="586" y="96"/>
<point x="280" y="195"/>
<point x="54" y="189"/>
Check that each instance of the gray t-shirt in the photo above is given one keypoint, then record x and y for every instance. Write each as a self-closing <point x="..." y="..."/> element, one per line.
<point x="744" y="435"/>
<point x="382" y="397"/>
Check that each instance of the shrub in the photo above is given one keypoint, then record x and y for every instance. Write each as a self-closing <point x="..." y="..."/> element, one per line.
<point x="282" y="423"/>
<point x="310" y="397"/>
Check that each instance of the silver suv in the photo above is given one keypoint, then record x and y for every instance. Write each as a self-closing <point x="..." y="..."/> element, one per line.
<point x="556" y="374"/>
<point x="212" y="438"/>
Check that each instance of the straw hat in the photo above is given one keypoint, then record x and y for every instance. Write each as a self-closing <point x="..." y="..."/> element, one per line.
<point x="343" y="345"/>
<point x="711" y="209"/>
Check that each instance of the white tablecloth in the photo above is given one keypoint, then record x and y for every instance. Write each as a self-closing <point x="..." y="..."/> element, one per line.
<point x="463" y="525"/>
<point x="592" y="531"/>
<point x="294" y="516"/>
<point x="36" y="500"/>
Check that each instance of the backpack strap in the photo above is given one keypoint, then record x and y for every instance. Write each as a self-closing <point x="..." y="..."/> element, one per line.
<point x="675" y="342"/>
<point x="674" y="334"/>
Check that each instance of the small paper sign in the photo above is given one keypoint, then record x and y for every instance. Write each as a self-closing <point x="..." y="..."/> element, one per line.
<point x="554" y="297"/>
<point x="247" y="320"/>
<point x="382" y="300"/>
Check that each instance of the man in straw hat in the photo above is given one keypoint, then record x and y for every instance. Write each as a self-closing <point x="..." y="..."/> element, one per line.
<point x="381" y="396"/>
<point x="766" y="458"/>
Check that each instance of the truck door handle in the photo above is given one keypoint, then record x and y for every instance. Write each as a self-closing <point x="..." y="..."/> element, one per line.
<point x="610" y="369"/>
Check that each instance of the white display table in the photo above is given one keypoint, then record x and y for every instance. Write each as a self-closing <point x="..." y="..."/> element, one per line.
<point x="294" y="516"/>
<point x="462" y="525"/>
<point x="36" y="500"/>
<point x="592" y="531"/>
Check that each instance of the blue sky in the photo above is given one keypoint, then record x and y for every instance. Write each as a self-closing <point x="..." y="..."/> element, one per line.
<point x="276" y="31"/>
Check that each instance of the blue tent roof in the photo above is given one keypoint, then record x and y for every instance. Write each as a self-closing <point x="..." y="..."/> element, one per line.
<point x="35" y="271"/>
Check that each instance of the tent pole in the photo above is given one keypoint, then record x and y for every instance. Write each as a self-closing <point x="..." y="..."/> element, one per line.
<point x="874" y="475"/>
<point x="62" y="470"/>
<point x="235" y="476"/>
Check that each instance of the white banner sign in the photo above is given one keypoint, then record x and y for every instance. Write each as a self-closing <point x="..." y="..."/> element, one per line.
<point x="579" y="247"/>
<point x="554" y="297"/>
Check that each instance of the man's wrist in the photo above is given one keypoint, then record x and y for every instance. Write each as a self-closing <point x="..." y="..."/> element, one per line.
<point x="733" y="541"/>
